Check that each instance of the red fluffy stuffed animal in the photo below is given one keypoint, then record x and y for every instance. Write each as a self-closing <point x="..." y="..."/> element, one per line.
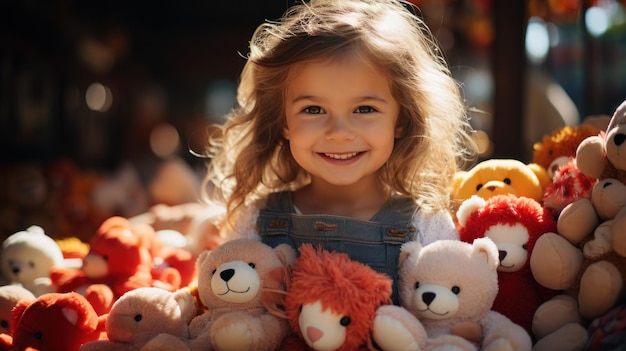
<point x="514" y="224"/>
<point x="118" y="261"/>
<point x="332" y="301"/>
<point x="53" y="322"/>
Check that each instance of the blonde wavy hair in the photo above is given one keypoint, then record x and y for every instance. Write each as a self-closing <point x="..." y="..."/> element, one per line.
<point x="250" y="156"/>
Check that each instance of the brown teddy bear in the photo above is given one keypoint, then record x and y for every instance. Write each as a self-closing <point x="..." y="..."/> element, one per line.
<point x="231" y="281"/>
<point x="605" y="157"/>
<point x="449" y="286"/>
<point x="586" y="259"/>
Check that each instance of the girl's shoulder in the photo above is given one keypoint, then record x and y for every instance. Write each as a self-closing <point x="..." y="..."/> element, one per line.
<point x="435" y="225"/>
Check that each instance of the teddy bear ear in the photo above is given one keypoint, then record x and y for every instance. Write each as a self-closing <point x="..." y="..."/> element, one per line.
<point x="187" y="304"/>
<point x="18" y="311"/>
<point x="487" y="249"/>
<point x="469" y="206"/>
<point x="286" y="254"/>
<point x="407" y="249"/>
<point x="619" y="116"/>
<point x="202" y="257"/>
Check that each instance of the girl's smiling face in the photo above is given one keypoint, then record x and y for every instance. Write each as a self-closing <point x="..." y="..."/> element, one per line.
<point x="341" y="120"/>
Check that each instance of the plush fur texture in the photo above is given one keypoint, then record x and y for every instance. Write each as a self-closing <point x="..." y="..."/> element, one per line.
<point x="514" y="224"/>
<point x="231" y="281"/>
<point x="118" y="261"/>
<point x="587" y="260"/>
<point x="557" y="148"/>
<point x="348" y="289"/>
<point x="141" y="315"/>
<point x="500" y="176"/>
<point x="568" y="185"/>
<point x="604" y="156"/>
<point x="54" y="321"/>
<point x="449" y="282"/>
<point x="26" y="258"/>
<point x="10" y="295"/>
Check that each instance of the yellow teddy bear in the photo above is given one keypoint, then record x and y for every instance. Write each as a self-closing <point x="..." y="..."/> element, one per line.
<point x="500" y="176"/>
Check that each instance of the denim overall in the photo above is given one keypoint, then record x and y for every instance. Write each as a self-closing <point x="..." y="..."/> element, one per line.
<point x="375" y="242"/>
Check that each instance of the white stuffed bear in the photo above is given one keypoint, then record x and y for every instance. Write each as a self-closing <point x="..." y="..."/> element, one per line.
<point x="26" y="258"/>
<point x="448" y="287"/>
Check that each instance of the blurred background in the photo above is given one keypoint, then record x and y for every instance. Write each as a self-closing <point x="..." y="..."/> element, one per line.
<point x="107" y="98"/>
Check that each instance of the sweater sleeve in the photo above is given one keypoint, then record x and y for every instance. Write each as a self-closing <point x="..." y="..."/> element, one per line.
<point x="246" y="224"/>
<point x="434" y="226"/>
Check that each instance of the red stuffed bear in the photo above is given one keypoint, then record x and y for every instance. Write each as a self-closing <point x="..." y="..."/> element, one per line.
<point x="514" y="224"/>
<point x="53" y="321"/>
<point x="118" y="261"/>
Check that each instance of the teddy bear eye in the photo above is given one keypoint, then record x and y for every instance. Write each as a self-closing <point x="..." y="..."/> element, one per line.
<point x="507" y="181"/>
<point x="252" y="265"/>
<point x="456" y="290"/>
<point x="345" y="321"/>
<point x="478" y="187"/>
<point x="38" y="335"/>
<point x="31" y="264"/>
<point x="417" y="285"/>
<point x="4" y="324"/>
<point x="138" y="318"/>
<point x="215" y="270"/>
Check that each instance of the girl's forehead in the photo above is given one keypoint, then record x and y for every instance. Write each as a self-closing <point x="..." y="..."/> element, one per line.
<point x="342" y="61"/>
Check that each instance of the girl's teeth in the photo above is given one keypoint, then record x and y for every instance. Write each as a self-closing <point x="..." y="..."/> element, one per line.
<point x="341" y="156"/>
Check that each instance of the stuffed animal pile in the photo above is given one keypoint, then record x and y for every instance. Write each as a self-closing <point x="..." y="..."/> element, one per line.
<point x="540" y="264"/>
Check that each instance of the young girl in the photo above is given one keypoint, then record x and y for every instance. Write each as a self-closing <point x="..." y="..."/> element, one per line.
<point x="348" y="133"/>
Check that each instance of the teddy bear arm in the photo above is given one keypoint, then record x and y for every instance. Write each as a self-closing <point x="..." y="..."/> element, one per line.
<point x="199" y="324"/>
<point x="619" y="233"/>
<point x="395" y="328"/>
<point x="498" y="328"/>
<point x="274" y="330"/>
<point x="449" y="342"/>
<point x="243" y="330"/>
<point x="555" y="262"/>
<point x="165" y="342"/>
<point x="601" y="242"/>
<point x="590" y="156"/>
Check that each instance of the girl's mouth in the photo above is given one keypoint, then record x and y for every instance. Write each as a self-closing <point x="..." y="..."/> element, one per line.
<point x="344" y="156"/>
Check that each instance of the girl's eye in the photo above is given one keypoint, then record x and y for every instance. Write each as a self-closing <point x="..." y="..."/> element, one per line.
<point x="364" y="109"/>
<point x="313" y="110"/>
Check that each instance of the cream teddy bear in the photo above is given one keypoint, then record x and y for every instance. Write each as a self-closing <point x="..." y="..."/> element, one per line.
<point x="448" y="287"/>
<point x="27" y="257"/>
<point x="147" y="318"/>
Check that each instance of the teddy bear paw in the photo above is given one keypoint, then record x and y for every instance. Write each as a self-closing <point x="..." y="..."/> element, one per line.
<point x="499" y="344"/>
<point x="233" y="337"/>
<point x="449" y="342"/>
<point x="391" y="334"/>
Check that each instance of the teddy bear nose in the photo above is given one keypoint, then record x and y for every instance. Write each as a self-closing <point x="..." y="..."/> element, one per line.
<point x="227" y="274"/>
<point x="428" y="297"/>
<point x="619" y="139"/>
<point x="502" y="254"/>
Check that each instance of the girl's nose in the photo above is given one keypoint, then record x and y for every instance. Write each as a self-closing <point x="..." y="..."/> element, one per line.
<point x="339" y="128"/>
